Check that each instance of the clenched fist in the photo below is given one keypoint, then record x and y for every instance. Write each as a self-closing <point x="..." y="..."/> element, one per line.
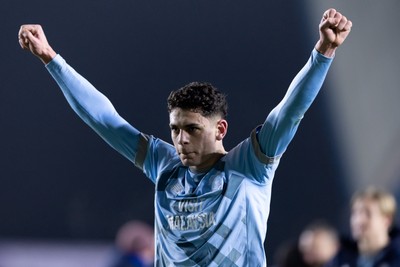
<point x="32" y="37"/>
<point x="334" y="29"/>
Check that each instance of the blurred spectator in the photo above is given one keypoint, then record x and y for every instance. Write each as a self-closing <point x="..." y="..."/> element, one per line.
<point x="288" y="255"/>
<point x="134" y="246"/>
<point x="318" y="244"/>
<point x="374" y="242"/>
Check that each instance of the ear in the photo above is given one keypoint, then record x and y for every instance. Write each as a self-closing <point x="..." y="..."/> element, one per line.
<point x="389" y="221"/>
<point x="222" y="129"/>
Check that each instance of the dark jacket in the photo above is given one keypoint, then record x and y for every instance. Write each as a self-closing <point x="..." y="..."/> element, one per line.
<point x="388" y="257"/>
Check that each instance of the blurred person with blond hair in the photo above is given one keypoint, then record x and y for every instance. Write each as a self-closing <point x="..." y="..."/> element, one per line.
<point x="375" y="240"/>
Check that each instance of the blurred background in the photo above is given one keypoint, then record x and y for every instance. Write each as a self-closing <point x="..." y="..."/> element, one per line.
<point x="64" y="192"/>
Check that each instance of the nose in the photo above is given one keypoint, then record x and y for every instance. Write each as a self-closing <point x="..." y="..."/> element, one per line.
<point x="358" y="219"/>
<point x="183" y="137"/>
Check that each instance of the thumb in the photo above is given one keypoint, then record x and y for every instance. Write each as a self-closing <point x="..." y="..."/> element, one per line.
<point x="29" y="38"/>
<point x="329" y="23"/>
<point x="25" y="38"/>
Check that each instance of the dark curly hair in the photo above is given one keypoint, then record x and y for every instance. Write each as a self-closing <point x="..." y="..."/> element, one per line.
<point x="199" y="97"/>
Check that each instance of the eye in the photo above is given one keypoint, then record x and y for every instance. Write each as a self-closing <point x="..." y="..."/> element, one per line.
<point x="174" y="130"/>
<point x="192" y="129"/>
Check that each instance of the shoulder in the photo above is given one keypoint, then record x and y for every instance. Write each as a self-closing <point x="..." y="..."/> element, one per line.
<point x="155" y="156"/>
<point x="250" y="149"/>
<point x="394" y="246"/>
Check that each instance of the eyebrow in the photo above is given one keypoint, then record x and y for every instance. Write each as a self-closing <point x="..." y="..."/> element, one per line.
<point x="186" y="125"/>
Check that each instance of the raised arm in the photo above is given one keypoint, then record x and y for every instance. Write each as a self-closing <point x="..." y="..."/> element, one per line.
<point x="91" y="105"/>
<point x="282" y="123"/>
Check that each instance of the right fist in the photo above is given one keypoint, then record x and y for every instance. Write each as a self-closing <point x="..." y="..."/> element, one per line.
<point x="32" y="38"/>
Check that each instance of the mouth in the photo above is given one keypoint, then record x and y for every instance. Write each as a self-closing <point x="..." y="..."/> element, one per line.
<point x="186" y="154"/>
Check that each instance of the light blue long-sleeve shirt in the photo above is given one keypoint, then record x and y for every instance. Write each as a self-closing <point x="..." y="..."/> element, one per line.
<point x="221" y="220"/>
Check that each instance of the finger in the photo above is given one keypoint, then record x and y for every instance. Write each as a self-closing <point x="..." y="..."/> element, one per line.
<point x="342" y="23"/>
<point x="336" y="19"/>
<point x="328" y="23"/>
<point x="330" y="18"/>
<point x="330" y="13"/>
<point x="23" y="41"/>
<point x="24" y="28"/>
<point x="29" y="39"/>
<point x="22" y="44"/>
<point x="348" y="25"/>
<point x="22" y="32"/>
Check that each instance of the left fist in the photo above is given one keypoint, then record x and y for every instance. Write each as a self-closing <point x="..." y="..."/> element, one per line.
<point x="334" y="28"/>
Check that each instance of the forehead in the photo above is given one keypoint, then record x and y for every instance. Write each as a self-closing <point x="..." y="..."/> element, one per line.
<point x="366" y="204"/>
<point x="180" y="116"/>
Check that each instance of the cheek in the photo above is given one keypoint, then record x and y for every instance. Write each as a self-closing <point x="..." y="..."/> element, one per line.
<point x="208" y="143"/>
<point x="380" y="223"/>
<point x="174" y="140"/>
<point x="357" y="221"/>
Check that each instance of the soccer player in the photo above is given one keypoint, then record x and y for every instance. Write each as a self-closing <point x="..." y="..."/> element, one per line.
<point x="211" y="205"/>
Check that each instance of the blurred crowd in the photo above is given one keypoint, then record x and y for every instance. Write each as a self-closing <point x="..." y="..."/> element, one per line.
<point x="373" y="240"/>
<point x="134" y="246"/>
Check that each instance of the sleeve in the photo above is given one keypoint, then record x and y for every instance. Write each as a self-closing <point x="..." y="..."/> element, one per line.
<point x="281" y="124"/>
<point x="95" y="109"/>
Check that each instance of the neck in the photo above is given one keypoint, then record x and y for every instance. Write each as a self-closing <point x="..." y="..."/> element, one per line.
<point x="210" y="162"/>
<point x="371" y="246"/>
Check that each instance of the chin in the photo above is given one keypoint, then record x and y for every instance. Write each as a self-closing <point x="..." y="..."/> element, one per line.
<point x="187" y="162"/>
<point x="358" y="235"/>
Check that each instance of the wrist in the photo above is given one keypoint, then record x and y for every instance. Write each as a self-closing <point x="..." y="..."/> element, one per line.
<point x="47" y="55"/>
<point x="327" y="50"/>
